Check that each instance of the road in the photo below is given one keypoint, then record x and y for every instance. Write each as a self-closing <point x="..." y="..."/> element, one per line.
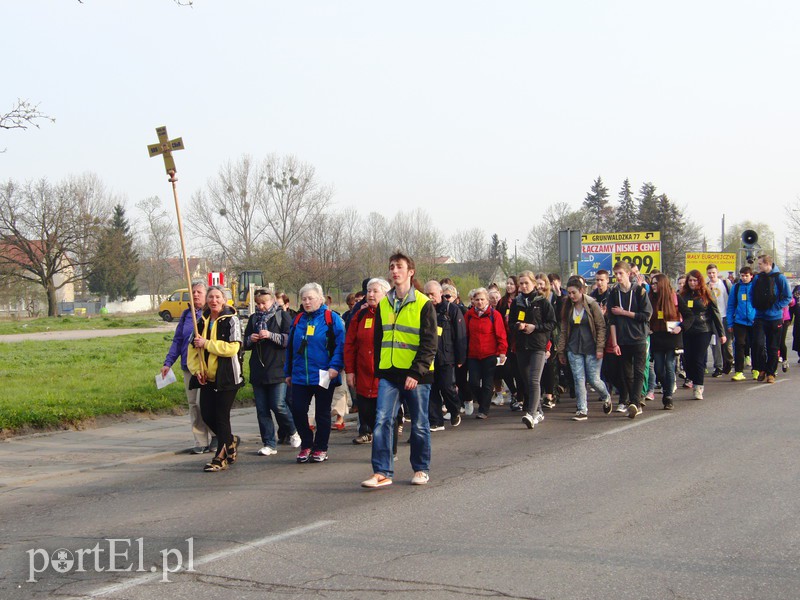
<point x="81" y="334"/>
<point x="698" y="503"/>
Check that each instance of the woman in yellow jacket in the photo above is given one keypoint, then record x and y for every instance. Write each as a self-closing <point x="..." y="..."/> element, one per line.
<point x="214" y="363"/>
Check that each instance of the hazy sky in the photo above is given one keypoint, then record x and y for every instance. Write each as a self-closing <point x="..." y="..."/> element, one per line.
<point x="483" y="113"/>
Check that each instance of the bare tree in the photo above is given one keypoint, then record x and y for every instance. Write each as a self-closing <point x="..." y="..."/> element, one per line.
<point x="40" y="232"/>
<point x="469" y="246"/>
<point x="22" y="115"/>
<point x="414" y="233"/>
<point x="156" y="243"/>
<point x="541" y="244"/>
<point x="93" y="205"/>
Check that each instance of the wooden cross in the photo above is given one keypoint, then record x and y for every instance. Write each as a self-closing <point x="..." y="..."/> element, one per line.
<point x="165" y="146"/>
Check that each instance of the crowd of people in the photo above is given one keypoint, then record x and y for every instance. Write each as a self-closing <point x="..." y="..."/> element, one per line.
<point x="415" y="353"/>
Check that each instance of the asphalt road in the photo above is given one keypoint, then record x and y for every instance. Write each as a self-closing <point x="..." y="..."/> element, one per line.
<point x="698" y="503"/>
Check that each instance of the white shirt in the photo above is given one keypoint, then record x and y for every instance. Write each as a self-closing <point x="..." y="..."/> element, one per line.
<point x="721" y="294"/>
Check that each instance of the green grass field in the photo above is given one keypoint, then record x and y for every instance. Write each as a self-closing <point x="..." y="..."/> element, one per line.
<point x="54" y="383"/>
<point x="8" y="326"/>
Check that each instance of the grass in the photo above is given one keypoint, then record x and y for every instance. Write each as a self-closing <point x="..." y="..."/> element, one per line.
<point x="9" y="326"/>
<point x="55" y="384"/>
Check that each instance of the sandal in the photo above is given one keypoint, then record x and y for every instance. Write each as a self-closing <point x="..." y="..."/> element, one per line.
<point x="216" y="464"/>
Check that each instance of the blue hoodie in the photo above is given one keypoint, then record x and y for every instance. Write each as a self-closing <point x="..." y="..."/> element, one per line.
<point x="740" y="304"/>
<point x="304" y="362"/>
<point x="783" y="297"/>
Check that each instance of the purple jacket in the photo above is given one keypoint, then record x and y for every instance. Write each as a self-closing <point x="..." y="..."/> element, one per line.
<point x="180" y="341"/>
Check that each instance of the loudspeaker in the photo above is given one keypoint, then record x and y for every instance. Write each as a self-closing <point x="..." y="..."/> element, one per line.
<point x="749" y="238"/>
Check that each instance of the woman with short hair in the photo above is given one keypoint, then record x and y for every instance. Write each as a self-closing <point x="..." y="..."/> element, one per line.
<point x="486" y="348"/>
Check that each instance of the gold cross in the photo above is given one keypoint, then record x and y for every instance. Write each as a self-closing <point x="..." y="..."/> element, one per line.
<point x="165" y="146"/>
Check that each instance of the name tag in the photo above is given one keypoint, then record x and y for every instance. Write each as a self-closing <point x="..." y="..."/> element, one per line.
<point x="690" y="303"/>
<point x="744" y="297"/>
<point x="521" y="316"/>
<point x="368" y="323"/>
<point x="661" y="314"/>
<point x="310" y="330"/>
<point x="508" y="310"/>
<point x="439" y="330"/>
<point x="577" y="319"/>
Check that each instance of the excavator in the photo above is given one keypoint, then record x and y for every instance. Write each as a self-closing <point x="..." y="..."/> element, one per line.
<point x="242" y="288"/>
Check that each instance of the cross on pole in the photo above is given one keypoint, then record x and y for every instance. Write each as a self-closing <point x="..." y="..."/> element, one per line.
<point x="165" y="146"/>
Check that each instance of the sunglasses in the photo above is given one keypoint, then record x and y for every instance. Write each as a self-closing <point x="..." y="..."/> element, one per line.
<point x="446" y="296"/>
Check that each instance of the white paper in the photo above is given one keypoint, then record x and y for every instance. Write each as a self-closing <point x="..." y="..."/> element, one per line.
<point x="165" y="381"/>
<point x="324" y="379"/>
<point x="501" y="360"/>
<point x="672" y="325"/>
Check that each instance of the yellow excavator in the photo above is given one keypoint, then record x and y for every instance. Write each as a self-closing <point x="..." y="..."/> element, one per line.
<point x="245" y="282"/>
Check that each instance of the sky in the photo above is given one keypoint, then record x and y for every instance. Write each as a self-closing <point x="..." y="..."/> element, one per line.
<point x="482" y="113"/>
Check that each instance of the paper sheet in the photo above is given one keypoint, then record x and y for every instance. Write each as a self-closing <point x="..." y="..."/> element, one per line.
<point x="165" y="381"/>
<point x="324" y="379"/>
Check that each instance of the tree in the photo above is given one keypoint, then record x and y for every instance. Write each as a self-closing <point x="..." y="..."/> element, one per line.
<point x="40" y="230"/>
<point x="93" y="210"/>
<point x="22" y="115"/>
<point x="647" y="208"/>
<point x="414" y="234"/>
<point x="116" y="264"/>
<point x="468" y="245"/>
<point x="766" y="237"/>
<point x="541" y="244"/>
<point x="625" y="213"/>
<point x="596" y="203"/>
<point x="156" y="243"/>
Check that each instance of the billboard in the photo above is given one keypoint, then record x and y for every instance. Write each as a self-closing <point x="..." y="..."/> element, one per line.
<point x="639" y="248"/>
<point x="725" y="261"/>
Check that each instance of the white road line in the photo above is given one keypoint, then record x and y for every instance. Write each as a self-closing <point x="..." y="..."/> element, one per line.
<point x="271" y="539"/>
<point x="636" y="423"/>
<point x="761" y="388"/>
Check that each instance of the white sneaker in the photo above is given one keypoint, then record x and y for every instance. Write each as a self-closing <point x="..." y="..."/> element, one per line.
<point x="622" y="408"/>
<point x="468" y="410"/>
<point x="267" y="451"/>
<point x="528" y="421"/>
<point x="446" y="416"/>
<point x="294" y="440"/>
<point x="538" y="417"/>
<point x="698" y="392"/>
<point x="420" y="478"/>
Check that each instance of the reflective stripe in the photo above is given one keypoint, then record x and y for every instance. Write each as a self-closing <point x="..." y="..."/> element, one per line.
<point x="407" y="329"/>
<point x="401" y="345"/>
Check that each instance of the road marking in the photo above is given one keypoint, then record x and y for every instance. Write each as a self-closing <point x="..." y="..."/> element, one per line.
<point x="636" y="423"/>
<point x="761" y="388"/>
<point x="271" y="539"/>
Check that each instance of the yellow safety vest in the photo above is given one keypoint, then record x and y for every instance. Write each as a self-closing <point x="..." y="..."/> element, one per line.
<point x="400" y="339"/>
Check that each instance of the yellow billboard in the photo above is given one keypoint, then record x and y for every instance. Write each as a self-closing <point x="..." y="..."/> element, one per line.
<point x="725" y="261"/>
<point x="639" y="248"/>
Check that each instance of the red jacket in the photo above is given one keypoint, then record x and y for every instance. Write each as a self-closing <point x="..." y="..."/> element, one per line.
<point x="486" y="335"/>
<point x="359" y="353"/>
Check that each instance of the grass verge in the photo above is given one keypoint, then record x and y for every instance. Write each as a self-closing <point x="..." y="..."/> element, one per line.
<point x="9" y="326"/>
<point x="55" y="384"/>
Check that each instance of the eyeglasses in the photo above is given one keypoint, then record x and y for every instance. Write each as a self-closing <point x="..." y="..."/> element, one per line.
<point x="446" y="296"/>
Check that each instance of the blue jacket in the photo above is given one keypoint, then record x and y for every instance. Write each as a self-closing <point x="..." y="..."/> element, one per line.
<point x="180" y="341"/>
<point x="740" y="304"/>
<point x="783" y="297"/>
<point x="304" y="361"/>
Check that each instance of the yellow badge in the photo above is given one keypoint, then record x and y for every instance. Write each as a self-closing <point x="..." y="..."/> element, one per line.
<point x="310" y="330"/>
<point x="744" y="297"/>
<point x="690" y="303"/>
<point x="439" y="330"/>
<point x="368" y="323"/>
<point x="577" y="319"/>
<point x="661" y="314"/>
<point x="521" y="316"/>
<point x="508" y="310"/>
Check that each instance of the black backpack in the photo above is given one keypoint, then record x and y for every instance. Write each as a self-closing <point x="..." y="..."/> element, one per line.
<point x="763" y="293"/>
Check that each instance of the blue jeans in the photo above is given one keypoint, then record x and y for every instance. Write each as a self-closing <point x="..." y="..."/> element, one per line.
<point x="272" y="397"/>
<point x="664" y="363"/>
<point x="586" y="367"/>
<point x="390" y="395"/>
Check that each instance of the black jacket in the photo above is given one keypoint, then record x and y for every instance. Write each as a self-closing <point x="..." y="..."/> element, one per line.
<point x="535" y="309"/>
<point x="453" y="335"/>
<point x="267" y="356"/>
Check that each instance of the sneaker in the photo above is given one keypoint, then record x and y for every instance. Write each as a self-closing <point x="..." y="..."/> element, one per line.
<point x="376" y="481"/>
<point x="319" y="456"/>
<point x="455" y="421"/>
<point x="516" y="406"/>
<point x="668" y="403"/>
<point x="199" y="450"/>
<point x="747" y="362"/>
<point x="580" y="416"/>
<point x="267" y="451"/>
<point x="363" y="439"/>
<point x="469" y="408"/>
<point x="480" y="415"/>
<point x="538" y="417"/>
<point x="688" y="384"/>
<point x="770" y="379"/>
<point x="437" y="428"/>
<point x="727" y="368"/>
<point x="549" y="403"/>
<point x="497" y="400"/>
<point x="621" y="408"/>
<point x="755" y="374"/>
<point x="294" y="440"/>
<point x="304" y="455"/>
<point x="420" y="478"/>
<point x="762" y="375"/>
<point x="447" y="417"/>
<point x="785" y="366"/>
<point x="633" y="410"/>
<point x="607" y="405"/>
<point x="698" y="392"/>
<point x="650" y="396"/>
<point x="716" y="373"/>
<point x="528" y="421"/>
<point x="738" y="376"/>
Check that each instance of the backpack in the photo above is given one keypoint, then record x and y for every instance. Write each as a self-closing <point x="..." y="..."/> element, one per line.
<point x="763" y="292"/>
<point x="331" y="341"/>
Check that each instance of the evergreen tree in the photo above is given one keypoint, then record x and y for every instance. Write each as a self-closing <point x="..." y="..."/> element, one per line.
<point x="116" y="264"/>
<point x="596" y="203"/>
<point x="647" y="208"/>
<point x="625" y="215"/>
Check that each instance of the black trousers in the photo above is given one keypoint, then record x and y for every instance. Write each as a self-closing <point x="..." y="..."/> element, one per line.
<point x="481" y="380"/>
<point x="766" y="341"/>
<point x="215" y="408"/>
<point x="443" y="393"/>
<point x="695" y="352"/>
<point x="366" y="414"/>
<point x="634" y="361"/>
<point x="743" y="340"/>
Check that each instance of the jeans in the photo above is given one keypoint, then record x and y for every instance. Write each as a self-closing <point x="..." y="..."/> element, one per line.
<point x="301" y="400"/>
<point x="481" y="380"/>
<point x="766" y="341"/>
<point x="586" y="367"/>
<point x="664" y="363"/>
<point x="723" y="357"/>
<point x="272" y="397"/>
<point x="695" y="348"/>
<point x="199" y="428"/>
<point x="390" y="395"/>
<point x="634" y="359"/>
<point x="531" y="365"/>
